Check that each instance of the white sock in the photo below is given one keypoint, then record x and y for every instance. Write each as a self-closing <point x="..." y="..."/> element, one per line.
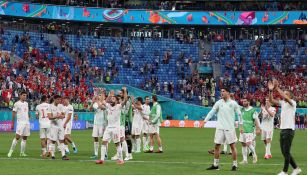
<point x="62" y="148"/>
<point x="244" y="153"/>
<point x="14" y="143"/>
<point x="144" y="142"/>
<point x="58" y="143"/>
<point x="252" y="149"/>
<point x="138" y="144"/>
<point x="23" y="146"/>
<point x="254" y="144"/>
<point x="119" y="152"/>
<point x="96" y="148"/>
<point x="73" y="145"/>
<point x="66" y="148"/>
<point x="133" y="144"/>
<point x="52" y="149"/>
<point x="160" y="148"/>
<point x="44" y="150"/>
<point x="125" y="147"/>
<point x="216" y="162"/>
<point x="103" y="151"/>
<point x="151" y="148"/>
<point x="268" y="149"/>
<point x="235" y="163"/>
<point x="48" y="143"/>
<point x="225" y="148"/>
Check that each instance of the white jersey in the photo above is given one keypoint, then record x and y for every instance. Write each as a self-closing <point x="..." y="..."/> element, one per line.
<point x="267" y="123"/>
<point x="138" y="117"/>
<point x="146" y="110"/>
<point x="22" y="112"/>
<point x="56" y="110"/>
<point x="113" y="115"/>
<point x="42" y="111"/>
<point x="99" y="118"/>
<point x="68" y="110"/>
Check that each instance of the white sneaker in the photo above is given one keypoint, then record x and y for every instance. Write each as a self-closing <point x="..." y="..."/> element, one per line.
<point x="244" y="162"/>
<point x="115" y="157"/>
<point x="128" y="157"/>
<point x="296" y="171"/>
<point x="9" y="155"/>
<point x="255" y="159"/>
<point x="282" y="173"/>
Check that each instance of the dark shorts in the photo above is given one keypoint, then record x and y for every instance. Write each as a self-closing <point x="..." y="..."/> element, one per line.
<point x="128" y="126"/>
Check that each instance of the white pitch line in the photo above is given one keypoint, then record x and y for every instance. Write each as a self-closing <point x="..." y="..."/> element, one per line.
<point x="140" y="161"/>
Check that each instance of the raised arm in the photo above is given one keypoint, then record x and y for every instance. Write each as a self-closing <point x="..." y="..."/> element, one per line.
<point x="271" y="88"/>
<point x="281" y="93"/>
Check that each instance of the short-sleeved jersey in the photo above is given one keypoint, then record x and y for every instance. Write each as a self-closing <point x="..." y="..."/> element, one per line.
<point x="267" y="123"/>
<point x="146" y="109"/>
<point x="42" y="111"/>
<point x="113" y="115"/>
<point x="138" y="117"/>
<point x="99" y="117"/>
<point x="22" y="111"/>
<point x="57" y="110"/>
<point x="69" y="110"/>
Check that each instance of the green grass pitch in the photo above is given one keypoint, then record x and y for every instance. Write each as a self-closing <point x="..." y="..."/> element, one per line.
<point x="185" y="152"/>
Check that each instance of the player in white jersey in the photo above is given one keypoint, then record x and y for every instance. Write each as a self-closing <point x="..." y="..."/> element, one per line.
<point x="21" y="110"/>
<point x="99" y="123"/>
<point x="145" y="129"/>
<point x="137" y="124"/>
<point x="69" y="113"/>
<point x="267" y="126"/>
<point x="57" y="131"/>
<point x="112" y="131"/>
<point x="42" y="111"/>
<point x="225" y="129"/>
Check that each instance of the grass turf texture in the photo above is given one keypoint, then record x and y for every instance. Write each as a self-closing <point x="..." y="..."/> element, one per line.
<point x="185" y="152"/>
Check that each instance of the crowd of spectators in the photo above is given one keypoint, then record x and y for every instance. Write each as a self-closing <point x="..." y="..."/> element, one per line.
<point x="38" y="73"/>
<point x="249" y="76"/>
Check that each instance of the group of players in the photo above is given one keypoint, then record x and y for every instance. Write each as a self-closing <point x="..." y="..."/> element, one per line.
<point x="118" y="118"/>
<point x="249" y="125"/>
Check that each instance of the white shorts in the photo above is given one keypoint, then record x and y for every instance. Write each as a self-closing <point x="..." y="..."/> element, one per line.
<point x="68" y="129"/>
<point x="112" y="134"/>
<point x="136" y="129"/>
<point x="225" y="136"/>
<point x="246" y="137"/>
<point x="266" y="135"/>
<point x="145" y="128"/>
<point x="44" y="133"/>
<point x="56" y="133"/>
<point x="98" y="131"/>
<point x="154" y="129"/>
<point x="122" y="131"/>
<point x="23" y="129"/>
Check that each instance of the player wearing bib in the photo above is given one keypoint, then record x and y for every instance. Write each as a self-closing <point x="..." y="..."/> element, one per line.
<point x="267" y="126"/>
<point x="145" y="128"/>
<point x="42" y="111"/>
<point x="155" y="119"/>
<point x="250" y="119"/>
<point x="225" y="128"/>
<point x="69" y="113"/>
<point x="57" y="132"/>
<point x="99" y="123"/>
<point x="137" y="124"/>
<point x="112" y="131"/>
<point x="287" y="125"/>
<point x="21" y="110"/>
